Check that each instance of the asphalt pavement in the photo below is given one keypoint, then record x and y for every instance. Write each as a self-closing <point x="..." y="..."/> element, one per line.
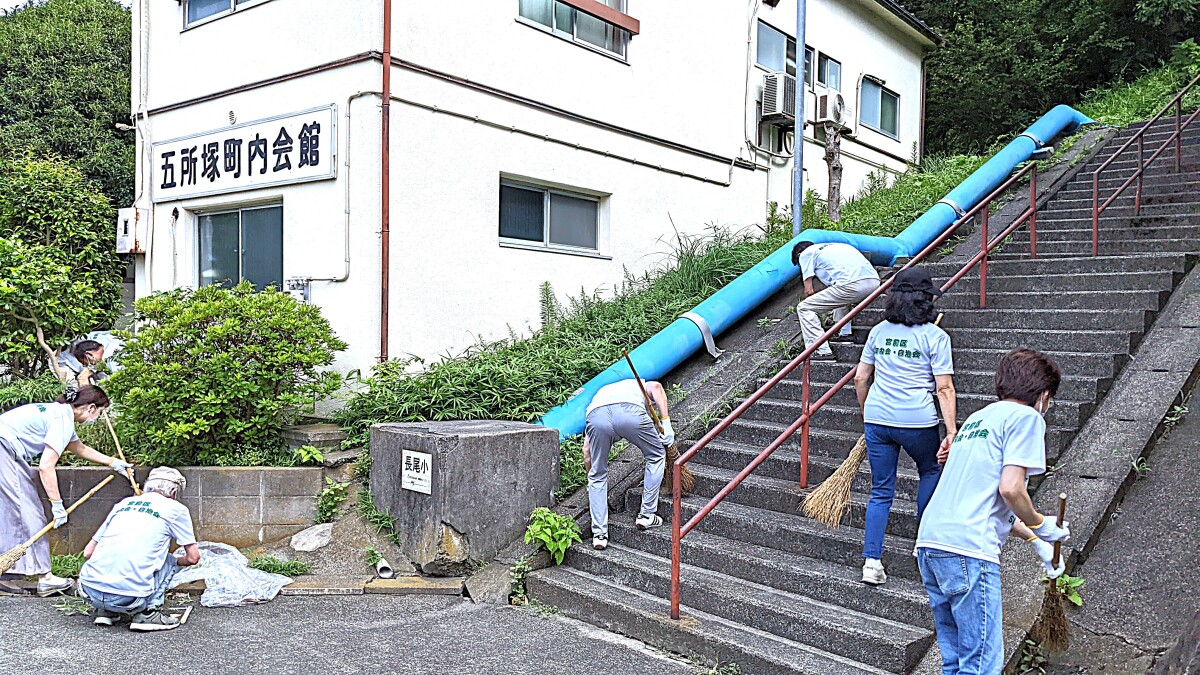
<point x="374" y="634"/>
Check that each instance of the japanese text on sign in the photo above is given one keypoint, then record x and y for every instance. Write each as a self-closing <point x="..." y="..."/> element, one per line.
<point x="290" y="148"/>
<point x="417" y="472"/>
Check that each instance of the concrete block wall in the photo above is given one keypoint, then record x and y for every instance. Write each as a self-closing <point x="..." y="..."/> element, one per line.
<point x="239" y="506"/>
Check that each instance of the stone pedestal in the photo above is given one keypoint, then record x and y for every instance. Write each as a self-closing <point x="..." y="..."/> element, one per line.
<point x="461" y="491"/>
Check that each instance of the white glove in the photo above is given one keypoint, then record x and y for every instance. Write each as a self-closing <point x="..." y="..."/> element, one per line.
<point x="120" y="466"/>
<point x="668" y="433"/>
<point x="1045" y="551"/>
<point x="60" y="514"/>
<point x="1051" y="532"/>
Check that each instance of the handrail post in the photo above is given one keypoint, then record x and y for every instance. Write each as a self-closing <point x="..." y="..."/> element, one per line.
<point x="1137" y="200"/>
<point x="984" y="261"/>
<point x="1096" y="213"/>
<point x="676" y="538"/>
<point x="1033" y="212"/>
<point x="1178" y="133"/>
<point x="804" y="406"/>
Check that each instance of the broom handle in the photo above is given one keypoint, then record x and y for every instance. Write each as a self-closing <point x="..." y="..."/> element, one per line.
<point x="649" y="403"/>
<point x="120" y="453"/>
<point x="1062" y="513"/>
<point x="50" y="526"/>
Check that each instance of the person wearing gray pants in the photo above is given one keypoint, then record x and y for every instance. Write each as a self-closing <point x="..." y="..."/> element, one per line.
<point x="848" y="277"/>
<point x="618" y="410"/>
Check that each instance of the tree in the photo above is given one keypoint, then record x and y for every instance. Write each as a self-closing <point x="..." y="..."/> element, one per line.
<point x="65" y="84"/>
<point x="58" y="271"/>
<point x="833" y="159"/>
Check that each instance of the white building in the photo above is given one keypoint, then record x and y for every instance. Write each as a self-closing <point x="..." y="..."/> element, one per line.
<point x="530" y="141"/>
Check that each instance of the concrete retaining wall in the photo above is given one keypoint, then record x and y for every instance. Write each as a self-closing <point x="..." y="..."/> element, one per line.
<point x="240" y="506"/>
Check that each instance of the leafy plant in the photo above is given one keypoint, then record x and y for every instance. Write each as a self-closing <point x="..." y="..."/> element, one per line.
<point x="380" y="521"/>
<point x="212" y="374"/>
<point x="1032" y="660"/>
<point x="541" y="609"/>
<point x="1069" y="587"/>
<point x="371" y="556"/>
<point x="1140" y="467"/>
<point x="19" y="391"/>
<point x="765" y="323"/>
<point x="781" y="348"/>
<point x="329" y="502"/>
<point x="1176" y="415"/>
<point x="362" y="466"/>
<point x="553" y="531"/>
<point x="66" y="566"/>
<point x="307" y="454"/>
<point x="518" y="573"/>
<point x="288" y="568"/>
<point x="70" y="605"/>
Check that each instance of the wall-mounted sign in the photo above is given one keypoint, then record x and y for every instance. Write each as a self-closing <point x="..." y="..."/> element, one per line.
<point x="417" y="472"/>
<point x="291" y="148"/>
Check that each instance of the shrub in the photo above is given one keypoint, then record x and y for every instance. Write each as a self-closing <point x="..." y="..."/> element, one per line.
<point x="60" y="277"/>
<point x="554" y="531"/>
<point x="213" y="374"/>
<point x="18" y="391"/>
<point x="1141" y="99"/>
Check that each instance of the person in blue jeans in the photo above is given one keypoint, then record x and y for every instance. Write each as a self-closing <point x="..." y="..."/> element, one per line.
<point x="981" y="501"/>
<point x="908" y="358"/>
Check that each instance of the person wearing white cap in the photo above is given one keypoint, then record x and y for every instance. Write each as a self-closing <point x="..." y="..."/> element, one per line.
<point x="848" y="277"/>
<point x="129" y="566"/>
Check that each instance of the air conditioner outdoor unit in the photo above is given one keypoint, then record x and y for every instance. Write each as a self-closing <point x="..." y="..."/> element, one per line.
<point x="779" y="99"/>
<point x="131" y="230"/>
<point x="831" y="107"/>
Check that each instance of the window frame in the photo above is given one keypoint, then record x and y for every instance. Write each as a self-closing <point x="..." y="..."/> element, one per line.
<point x="546" y="244"/>
<point x="235" y="7"/>
<point x="199" y="214"/>
<point x="883" y="91"/>
<point x="573" y="36"/>
<point x="822" y="60"/>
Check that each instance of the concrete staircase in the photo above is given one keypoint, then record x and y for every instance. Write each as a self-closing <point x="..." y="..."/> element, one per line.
<point x="775" y="592"/>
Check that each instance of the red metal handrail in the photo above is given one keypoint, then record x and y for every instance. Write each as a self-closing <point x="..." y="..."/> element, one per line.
<point x="680" y="529"/>
<point x="1139" y="175"/>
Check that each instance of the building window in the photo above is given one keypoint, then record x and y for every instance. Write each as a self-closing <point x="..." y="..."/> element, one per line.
<point x="541" y="216"/>
<point x="809" y="54"/>
<point x="776" y="51"/>
<point x="201" y="10"/>
<point x="242" y="245"/>
<point x="567" y="22"/>
<point x="880" y="108"/>
<point x="829" y="72"/>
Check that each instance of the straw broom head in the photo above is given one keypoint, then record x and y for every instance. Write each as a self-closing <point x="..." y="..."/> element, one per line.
<point x="1052" y="630"/>
<point x="9" y="559"/>
<point x="687" y="482"/>
<point x="828" y="502"/>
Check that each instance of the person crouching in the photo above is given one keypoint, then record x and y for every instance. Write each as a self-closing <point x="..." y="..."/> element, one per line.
<point x="129" y="566"/>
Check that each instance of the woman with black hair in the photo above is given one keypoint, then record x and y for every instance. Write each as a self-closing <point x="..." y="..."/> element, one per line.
<point x="45" y="429"/>
<point x="77" y="364"/>
<point x="909" y="358"/>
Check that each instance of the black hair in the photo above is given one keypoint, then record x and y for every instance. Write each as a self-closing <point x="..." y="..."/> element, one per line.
<point x="911" y="308"/>
<point x="797" y="250"/>
<point x="1023" y="374"/>
<point x="81" y="348"/>
<point x="85" y="395"/>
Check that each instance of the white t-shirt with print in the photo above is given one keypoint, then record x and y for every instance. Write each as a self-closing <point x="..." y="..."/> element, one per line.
<point x="624" y="391"/>
<point x="966" y="514"/>
<point x="906" y="359"/>
<point x="835" y="263"/>
<point x="30" y="428"/>
<point x="132" y="544"/>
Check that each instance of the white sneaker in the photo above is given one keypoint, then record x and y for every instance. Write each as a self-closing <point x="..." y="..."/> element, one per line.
<point x="600" y="542"/>
<point x="873" y="573"/>
<point x="648" y="522"/>
<point x="50" y="584"/>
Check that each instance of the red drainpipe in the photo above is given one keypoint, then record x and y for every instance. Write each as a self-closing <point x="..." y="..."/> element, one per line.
<point x="385" y="179"/>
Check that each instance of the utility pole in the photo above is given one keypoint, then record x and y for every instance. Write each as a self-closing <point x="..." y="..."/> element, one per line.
<point x="798" y="134"/>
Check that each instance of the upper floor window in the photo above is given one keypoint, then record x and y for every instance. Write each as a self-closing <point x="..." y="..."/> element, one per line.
<point x="199" y="11"/>
<point x="776" y="50"/>
<point x="880" y="108"/>
<point x="539" y="216"/>
<point x="564" y="20"/>
<point x="829" y="72"/>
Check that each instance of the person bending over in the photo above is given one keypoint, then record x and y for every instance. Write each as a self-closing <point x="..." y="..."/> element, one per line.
<point x="848" y="277"/>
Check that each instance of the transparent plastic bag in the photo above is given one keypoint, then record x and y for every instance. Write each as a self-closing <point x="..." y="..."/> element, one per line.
<point x="229" y="580"/>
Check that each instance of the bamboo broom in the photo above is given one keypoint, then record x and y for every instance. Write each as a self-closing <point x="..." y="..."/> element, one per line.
<point x="1052" y="630"/>
<point x="687" y="483"/>
<point x="9" y="558"/>
<point x="828" y="502"/>
<point x="120" y="453"/>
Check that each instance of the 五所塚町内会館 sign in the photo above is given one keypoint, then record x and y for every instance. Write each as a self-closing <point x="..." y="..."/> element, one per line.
<point x="292" y="148"/>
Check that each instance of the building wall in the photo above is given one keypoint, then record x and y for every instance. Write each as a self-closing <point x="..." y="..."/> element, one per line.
<point x="452" y="280"/>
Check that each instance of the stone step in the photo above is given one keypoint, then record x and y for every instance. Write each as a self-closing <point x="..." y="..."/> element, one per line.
<point x="1118" y="281"/>
<point x="602" y="603"/>
<point x="856" y="635"/>
<point x="1079" y="363"/>
<point x="1158" y="178"/>
<point x="1074" y="387"/>
<point x="1045" y="319"/>
<point x="1125" y="207"/>
<point x="784" y="496"/>
<point x="1128" y="161"/>
<point x="902" y="600"/>
<point x="1185" y="199"/>
<point x="1148" y="300"/>
<point x="1107" y="248"/>
<point x="1109" y="231"/>
<point x="1051" y="340"/>
<point x="787" y="532"/>
<point x="1081" y="188"/>
<point x="784" y="464"/>
<point x="1071" y="267"/>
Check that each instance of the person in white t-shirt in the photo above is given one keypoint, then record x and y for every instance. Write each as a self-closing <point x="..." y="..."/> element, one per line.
<point x="48" y="430"/>
<point x="618" y="410"/>
<point x="980" y="501"/>
<point x="129" y="565"/>
<point x="905" y="360"/>
<point x="848" y="277"/>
